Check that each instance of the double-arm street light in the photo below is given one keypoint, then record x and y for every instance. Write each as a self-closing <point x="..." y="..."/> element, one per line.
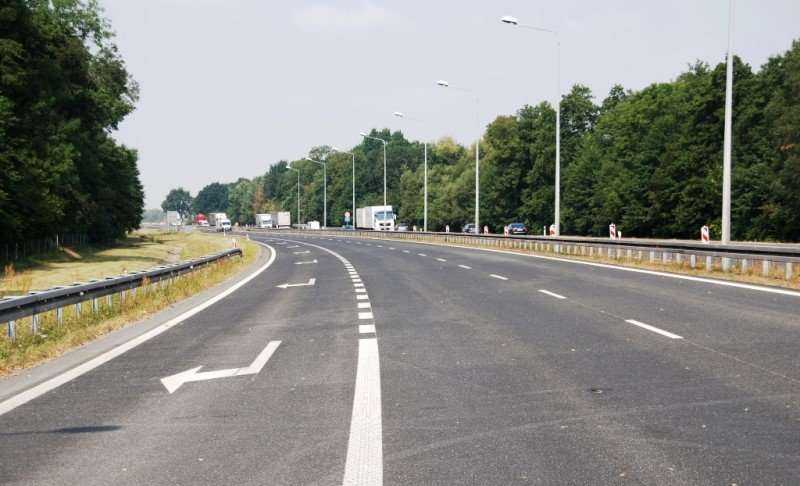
<point x="445" y="84"/>
<point x="384" y="161"/>
<point x="425" y="184"/>
<point x="324" y="190"/>
<point x="509" y="20"/>
<point x="354" y="179"/>
<point x="298" y="192"/>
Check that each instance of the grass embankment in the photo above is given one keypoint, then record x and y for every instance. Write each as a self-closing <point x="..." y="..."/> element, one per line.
<point x="140" y="251"/>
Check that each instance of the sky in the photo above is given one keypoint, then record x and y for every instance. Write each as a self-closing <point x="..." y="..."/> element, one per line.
<point x="229" y="87"/>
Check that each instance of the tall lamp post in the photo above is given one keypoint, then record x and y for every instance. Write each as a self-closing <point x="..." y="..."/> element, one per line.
<point x="509" y="20"/>
<point x="445" y="84"/>
<point x="727" y="141"/>
<point x="354" y="179"/>
<point x="324" y="190"/>
<point x="384" y="161"/>
<point x="298" y="193"/>
<point x="425" y="183"/>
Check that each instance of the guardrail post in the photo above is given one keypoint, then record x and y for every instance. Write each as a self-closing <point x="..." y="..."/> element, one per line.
<point x="765" y="268"/>
<point x="94" y="306"/>
<point x="35" y="324"/>
<point x="12" y="331"/>
<point x="709" y="263"/>
<point x="678" y="258"/>
<point x="60" y="316"/>
<point x="652" y="257"/>
<point x="78" y="309"/>
<point x="693" y="261"/>
<point x="109" y="301"/>
<point x="726" y="264"/>
<point x="664" y="257"/>
<point x="743" y="265"/>
<point x="788" y="270"/>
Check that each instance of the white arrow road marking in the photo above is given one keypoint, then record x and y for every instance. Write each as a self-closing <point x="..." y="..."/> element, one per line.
<point x="306" y="263"/>
<point x="172" y="383"/>
<point x="301" y="252"/>
<point x="310" y="282"/>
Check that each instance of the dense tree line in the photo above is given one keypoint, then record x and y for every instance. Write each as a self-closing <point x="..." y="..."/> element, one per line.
<point x="649" y="160"/>
<point x="63" y="89"/>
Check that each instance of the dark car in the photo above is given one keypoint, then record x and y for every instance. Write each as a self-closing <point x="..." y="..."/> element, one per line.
<point x="517" y="229"/>
<point x="469" y="228"/>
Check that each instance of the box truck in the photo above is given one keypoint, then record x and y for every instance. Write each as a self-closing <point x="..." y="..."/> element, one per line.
<point x="282" y="219"/>
<point x="219" y="221"/>
<point x="378" y="218"/>
<point x="264" y="221"/>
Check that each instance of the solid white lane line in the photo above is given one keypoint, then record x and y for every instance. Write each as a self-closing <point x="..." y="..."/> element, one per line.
<point x="362" y="297"/>
<point x="366" y="328"/>
<point x="359" y="291"/>
<point x="465" y="267"/>
<point x="441" y="260"/>
<point x="494" y="275"/>
<point x="552" y="294"/>
<point x="364" y="305"/>
<point x="365" y="315"/>
<point x="58" y="380"/>
<point x="654" y="329"/>
<point x="364" y="463"/>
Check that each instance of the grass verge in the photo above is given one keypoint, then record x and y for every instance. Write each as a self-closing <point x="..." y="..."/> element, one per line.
<point x="53" y="340"/>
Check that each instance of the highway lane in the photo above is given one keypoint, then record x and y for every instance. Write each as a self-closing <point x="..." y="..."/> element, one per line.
<point x="494" y="369"/>
<point x="285" y="425"/>
<point x="496" y="382"/>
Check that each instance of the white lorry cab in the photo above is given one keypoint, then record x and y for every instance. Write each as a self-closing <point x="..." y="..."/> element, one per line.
<point x="264" y="221"/>
<point x="378" y="218"/>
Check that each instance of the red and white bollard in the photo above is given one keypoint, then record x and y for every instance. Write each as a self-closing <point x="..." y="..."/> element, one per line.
<point x="704" y="237"/>
<point x="612" y="231"/>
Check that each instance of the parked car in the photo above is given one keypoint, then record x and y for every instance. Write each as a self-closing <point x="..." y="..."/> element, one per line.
<point x="517" y="229"/>
<point x="469" y="228"/>
<point x="402" y="227"/>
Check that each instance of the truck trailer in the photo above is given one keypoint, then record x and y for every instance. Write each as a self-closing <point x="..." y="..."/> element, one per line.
<point x="281" y="219"/>
<point x="378" y="218"/>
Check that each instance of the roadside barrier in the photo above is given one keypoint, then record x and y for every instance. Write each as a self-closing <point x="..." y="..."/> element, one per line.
<point x="37" y="302"/>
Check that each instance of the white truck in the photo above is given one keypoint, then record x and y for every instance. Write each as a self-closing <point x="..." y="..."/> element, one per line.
<point x="282" y="219"/>
<point x="174" y="218"/>
<point x="219" y="221"/>
<point x="378" y="218"/>
<point x="264" y="221"/>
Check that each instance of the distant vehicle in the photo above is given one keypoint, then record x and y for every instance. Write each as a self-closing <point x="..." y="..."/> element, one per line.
<point x="469" y="228"/>
<point x="264" y="221"/>
<point x="517" y="229"/>
<point x="378" y="218"/>
<point x="199" y="218"/>
<point x="174" y="218"/>
<point x="214" y="219"/>
<point x="224" y="225"/>
<point x="312" y="225"/>
<point x="402" y="227"/>
<point x="281" y="219"/>
<point x="203" y="223"/>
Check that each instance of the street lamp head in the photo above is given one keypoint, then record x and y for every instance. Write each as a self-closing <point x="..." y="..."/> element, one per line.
<point x="363" y="134"/>
<point x="507" y="19"/>
<point x="398" y="114"/>
<point x="443" y="83"/>
<point x="307" y="158"/>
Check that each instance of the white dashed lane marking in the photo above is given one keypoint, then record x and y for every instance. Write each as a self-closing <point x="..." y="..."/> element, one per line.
<point x="366" y="328"/>
<point x="362" y="297"/>
<point x="552" y="294"/>
<point x="499" y="277"/>
<point x="465" y="267"/>
<point x="365" y="315"/>
<point x="364" y="305"/>
<point x="441" y="260"/>
<point x="653" y="329"/>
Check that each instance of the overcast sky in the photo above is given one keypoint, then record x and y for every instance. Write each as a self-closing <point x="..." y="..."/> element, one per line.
<point x="229" y="87"/>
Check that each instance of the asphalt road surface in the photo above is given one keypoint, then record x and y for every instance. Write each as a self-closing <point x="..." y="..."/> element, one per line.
<point x="387" y="362"/>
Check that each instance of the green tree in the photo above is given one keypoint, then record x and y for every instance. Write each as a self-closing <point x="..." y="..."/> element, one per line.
<point x="178" y="200"/>
<point x="213" y="198"/>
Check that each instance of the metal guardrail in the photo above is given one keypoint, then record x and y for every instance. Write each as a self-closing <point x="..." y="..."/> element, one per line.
<point x="775" y="259"/>
<point x="37" y="302"/>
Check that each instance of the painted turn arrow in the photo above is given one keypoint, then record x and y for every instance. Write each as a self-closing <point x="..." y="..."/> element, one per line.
<point x="306" y="263"/>
<point x="311" y="281"/>
<point x="172" y="383"/>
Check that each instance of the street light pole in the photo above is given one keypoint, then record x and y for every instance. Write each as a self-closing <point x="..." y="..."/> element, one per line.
<point x="425" y="178"/>
<point x="384" y="162"/>
<point x="515" y="22"/>
<point x="445" y="84"/>
<point x="324" y="190"/>
<point x="727" y="142"/>
<point x="298" y="194"/>
<point x="353" y="209"/>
